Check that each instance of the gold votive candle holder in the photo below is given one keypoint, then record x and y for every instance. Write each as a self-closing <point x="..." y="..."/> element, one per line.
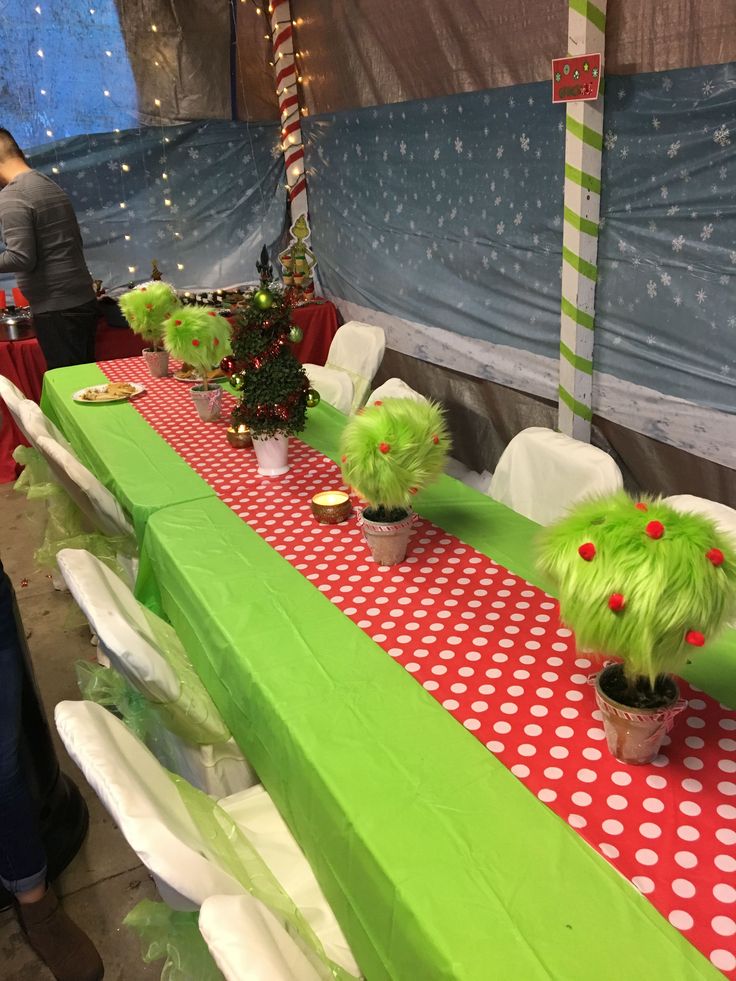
<point x="331" y="507"/>
<point x="240" y="438"/>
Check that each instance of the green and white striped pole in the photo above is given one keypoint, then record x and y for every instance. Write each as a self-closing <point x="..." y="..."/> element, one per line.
<point x="583" y="146"/>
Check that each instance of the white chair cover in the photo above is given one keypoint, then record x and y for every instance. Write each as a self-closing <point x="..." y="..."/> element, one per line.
<point x="248" y="943"/>
<point x="146" y="650"/>
<point x="37" y="425"/>
<point x="14" y="398"/>
<point x="394" y="388"/>
<point x="333" y="385"/>
<point x="542" y="473"/>
<point x="722" y="515"/>
<point x="144" y="803"/>
<point x="147" y="807"/>
<point x="356" y="349"/>
<point x="91" y="497"/>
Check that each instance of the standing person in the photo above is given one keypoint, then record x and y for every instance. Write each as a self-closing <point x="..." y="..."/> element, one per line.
<point x="43" y="247"/>
<point x="58" y="941"/>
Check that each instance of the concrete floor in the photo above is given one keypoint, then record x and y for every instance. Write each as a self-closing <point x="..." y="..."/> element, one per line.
<point x="106" y="879"/>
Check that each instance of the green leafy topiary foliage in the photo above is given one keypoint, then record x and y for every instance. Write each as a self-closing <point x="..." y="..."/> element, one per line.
<point x="393" y="449"/>
<point x="640" y="581"/>
<point x="198" y="336"/>
<point x="275" y="385"/>
<point x="147" y="307"/>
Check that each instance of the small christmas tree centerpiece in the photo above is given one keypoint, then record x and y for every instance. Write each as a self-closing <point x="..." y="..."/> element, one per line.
<point x="390" y="451"/>
<point x="146" y="308"/>
<point x="274" y="388"/>
<point x="647" y="584"/>
<point x="200" y="337"/>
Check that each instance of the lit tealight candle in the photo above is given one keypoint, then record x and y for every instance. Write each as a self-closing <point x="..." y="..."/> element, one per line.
<point x="331" y="507"/>
<point x="240" y="437"/>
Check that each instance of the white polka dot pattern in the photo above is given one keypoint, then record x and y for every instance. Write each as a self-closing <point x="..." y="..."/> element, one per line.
<point x="488" y="646"/>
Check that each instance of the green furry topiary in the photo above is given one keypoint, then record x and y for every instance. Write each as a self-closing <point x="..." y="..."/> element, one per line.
<point x="198" y="336"/>
<point x="146" y="307"/>
<point x="394" y="448"/>
<point x="640" y="581"/>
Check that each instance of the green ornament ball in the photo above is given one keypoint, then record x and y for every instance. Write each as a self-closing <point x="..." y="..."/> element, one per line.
<point x="263" y="299"/>
<point x="313" y="398"/>
<point x="295" y="334"/>
<point x="237" y="381"/>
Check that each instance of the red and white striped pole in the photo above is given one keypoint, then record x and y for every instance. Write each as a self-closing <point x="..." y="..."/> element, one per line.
<point x="287" y="89"/>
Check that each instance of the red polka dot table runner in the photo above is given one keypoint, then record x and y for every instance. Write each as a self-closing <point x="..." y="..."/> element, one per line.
<point x="489" y="647"/>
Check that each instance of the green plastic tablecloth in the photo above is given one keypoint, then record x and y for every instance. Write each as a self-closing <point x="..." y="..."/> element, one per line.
<point x="438" y="862"/>
<point x="119" y="446"/>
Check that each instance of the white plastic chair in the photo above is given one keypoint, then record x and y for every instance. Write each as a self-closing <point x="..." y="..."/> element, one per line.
<point x="131" y="641"/>
<point x="335" y="387"/>
<point x="37" y="425"/>
<point x="150" y="813"/>
<point x="542" y="473"/>
<point x="14" y="399"/>
<point x="722" y="515"/>
<point x="394" y="388"/>
<point x="356" y="349"/>
<point x="248" y="943"/>
<point x="93" y="499"/>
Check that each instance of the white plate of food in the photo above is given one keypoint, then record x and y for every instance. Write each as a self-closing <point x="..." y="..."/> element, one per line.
<point x="188" y="374"/>
<point x="110" y="392"/>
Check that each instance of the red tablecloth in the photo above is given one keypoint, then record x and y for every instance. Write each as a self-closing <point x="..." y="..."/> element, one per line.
<point x="23" y="363"/>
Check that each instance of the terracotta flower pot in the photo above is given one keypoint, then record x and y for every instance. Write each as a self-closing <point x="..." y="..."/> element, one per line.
<point x="208" y="402"/>
<point x="272" y="454"/>
<point x="635" y="735"/>
<point x="388" y="540"/>
<point x="157" y="362"/>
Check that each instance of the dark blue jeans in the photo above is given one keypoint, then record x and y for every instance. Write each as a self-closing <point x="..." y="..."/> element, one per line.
<point x="22" y="858"/>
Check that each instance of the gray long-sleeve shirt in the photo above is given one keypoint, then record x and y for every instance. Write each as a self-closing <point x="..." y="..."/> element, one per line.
<point x="43" y="244"/>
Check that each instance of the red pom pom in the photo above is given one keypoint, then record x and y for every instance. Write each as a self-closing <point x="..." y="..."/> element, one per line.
<point x="211" y="313"/>
<point x="177" y="323"/>
<point x="143" y="289"/>
<point x="378" y="402"/>
<point x="195" y="342"/>
<point x="435" y="440"/>
<point x="344" y="459"/>
<point x="149" y="306"/>
<point x="695" y="638"/>
<point x="641" y="506"/>
<point x="384" y="448"/>
<point x="655" y="529"/>
<point x="616" y="602"/>
<point x="587" y="551"/>
<point x="715" y="555"/>
<point x="215" y="341"/>
<point x="413" y="490"/>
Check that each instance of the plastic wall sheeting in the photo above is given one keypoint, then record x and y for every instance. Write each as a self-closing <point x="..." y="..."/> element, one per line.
<point x="373" y="52"/>
<point x="224" y="186"/>
<point x="71" y="67"/>
<point x="447" y="213"/>
<point x="55" y="70"/>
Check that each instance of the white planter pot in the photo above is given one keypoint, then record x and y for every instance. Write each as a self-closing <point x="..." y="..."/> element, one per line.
<point x="272" y="455"/>
<point x="208" y="402"/>
<point x="157" y="362"/>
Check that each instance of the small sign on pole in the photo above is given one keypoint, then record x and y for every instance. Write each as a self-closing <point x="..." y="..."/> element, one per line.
<point x="576" y="79"/>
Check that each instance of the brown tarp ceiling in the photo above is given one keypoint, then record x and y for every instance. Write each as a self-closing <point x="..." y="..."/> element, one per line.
<point x="371" y="52"/>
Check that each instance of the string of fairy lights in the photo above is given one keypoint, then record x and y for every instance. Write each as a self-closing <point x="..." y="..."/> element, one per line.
<point x="289" y="92"/>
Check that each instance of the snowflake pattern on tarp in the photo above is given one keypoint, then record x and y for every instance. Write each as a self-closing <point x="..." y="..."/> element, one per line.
<point x="224" y="185"/>
<point x="446" y="211"/>
<point x="666" y="310"/>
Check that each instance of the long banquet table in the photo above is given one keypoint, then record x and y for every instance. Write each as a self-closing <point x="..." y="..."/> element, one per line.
<point x="439" y="863"/>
